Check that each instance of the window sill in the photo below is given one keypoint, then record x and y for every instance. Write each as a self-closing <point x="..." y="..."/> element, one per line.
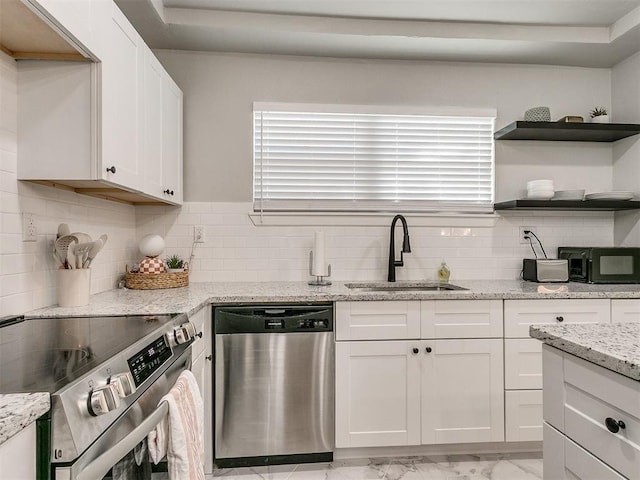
<point x="372" y="219"/>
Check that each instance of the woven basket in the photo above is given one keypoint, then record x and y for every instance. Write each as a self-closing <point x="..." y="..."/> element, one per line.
<point x="153" y="281"/>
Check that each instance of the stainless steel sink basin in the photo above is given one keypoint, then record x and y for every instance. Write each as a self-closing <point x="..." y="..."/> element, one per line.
<point x="403" y="287"/>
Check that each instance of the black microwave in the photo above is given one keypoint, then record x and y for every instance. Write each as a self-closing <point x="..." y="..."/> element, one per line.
<point x="602" y="264"/>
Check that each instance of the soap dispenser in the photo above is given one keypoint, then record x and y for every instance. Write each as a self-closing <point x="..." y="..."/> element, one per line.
<point x="443" y="273"/>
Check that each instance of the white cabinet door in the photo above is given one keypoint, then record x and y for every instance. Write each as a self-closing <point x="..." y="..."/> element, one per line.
<point x="462" y="391"/>
<point x="523" y="415"/>
<point x="171" y="140"/>
<point x="18" y="455"/>
<point x="377" y="394"/>
<point x="520" y="314"/>
<point x="391" y="320"/>
<point x="522" y="363"/>
<point x="122" y="104"/>
<point x="153" y="123"/>
<point x="552" y="453"/>
<point x="461" y="318"/>
<point x="627" y="310"/>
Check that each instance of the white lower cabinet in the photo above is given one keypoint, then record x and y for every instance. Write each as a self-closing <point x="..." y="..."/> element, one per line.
<point x="18" y="455"/>
<point x="411" y="392"/>
<point x="625" y="310"/>
<point x="377" y="394"/>
<point x="523" y="356"/>
<point x="582" y="400"/>
<point x="462" y="391"/>
<point x="202" y="369"/>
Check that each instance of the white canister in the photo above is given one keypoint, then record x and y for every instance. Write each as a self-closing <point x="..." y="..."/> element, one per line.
<point x="74" y="285"/>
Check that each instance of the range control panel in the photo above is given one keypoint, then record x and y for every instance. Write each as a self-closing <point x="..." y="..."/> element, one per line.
<point x="148" y="360"/>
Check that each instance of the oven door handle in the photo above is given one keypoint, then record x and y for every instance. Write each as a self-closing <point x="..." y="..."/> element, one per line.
<point x="101" y="465"/>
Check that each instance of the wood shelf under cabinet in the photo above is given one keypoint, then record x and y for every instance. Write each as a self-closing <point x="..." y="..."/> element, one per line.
<point x="558" y="205"/>
<point x="567" y="131"/>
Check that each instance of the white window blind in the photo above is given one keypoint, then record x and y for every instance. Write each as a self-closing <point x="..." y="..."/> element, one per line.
<point x="323" y="161"/>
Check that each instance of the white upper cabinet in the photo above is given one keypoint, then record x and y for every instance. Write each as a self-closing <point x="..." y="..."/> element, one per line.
<point x="162" y="150"/>
<point x="122" y="104"/>
<point x="111" y="129"/>
<point x="73" y="18"/>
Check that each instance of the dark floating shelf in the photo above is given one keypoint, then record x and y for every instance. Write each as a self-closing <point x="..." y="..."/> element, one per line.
<point x="567" y="132"/>
<point x="588" y="205"/>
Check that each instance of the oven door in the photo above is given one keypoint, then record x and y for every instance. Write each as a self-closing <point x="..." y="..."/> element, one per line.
<point x="128" y="431"/>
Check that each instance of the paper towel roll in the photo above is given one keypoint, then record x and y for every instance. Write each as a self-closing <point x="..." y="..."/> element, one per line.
<point x="319" y="267"/>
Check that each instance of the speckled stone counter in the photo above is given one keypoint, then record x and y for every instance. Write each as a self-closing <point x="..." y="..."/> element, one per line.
<point x="188" y="299"/>
<point x="19" y="410"/>
<point x="614" y="346"/>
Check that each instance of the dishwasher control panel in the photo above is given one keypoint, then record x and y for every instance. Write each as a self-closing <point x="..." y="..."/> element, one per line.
<point x="274" y="319"/>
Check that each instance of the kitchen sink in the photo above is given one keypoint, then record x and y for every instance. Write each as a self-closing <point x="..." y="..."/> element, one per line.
<point x="403" y="287"/>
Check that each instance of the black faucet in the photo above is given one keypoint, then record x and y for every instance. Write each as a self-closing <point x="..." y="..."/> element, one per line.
<point x="406" y="248"/>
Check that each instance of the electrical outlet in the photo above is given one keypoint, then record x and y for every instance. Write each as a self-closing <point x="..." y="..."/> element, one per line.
<point x="523" y="236"/>
<point x="29" y="229"/>
<point x="198" y="234"/>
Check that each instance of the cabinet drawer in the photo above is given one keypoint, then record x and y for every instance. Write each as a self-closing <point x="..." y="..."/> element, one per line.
<point x="522" y="363"/>
<point x="461" y="318"/>
<point x="581" y="465"/>
<point x="625" y="310"/>
<point x="390" y="320"/>
<point x="610" y="395"/>
<point x="523" y="415"/>
<point x="520" y="314"/>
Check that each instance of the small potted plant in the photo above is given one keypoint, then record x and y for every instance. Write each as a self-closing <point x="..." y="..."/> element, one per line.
<point x="599" y="115"/>
<point x="174" y="264"/>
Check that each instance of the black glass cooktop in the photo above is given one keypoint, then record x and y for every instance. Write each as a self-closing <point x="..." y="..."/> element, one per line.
<point x="45" y="354"/>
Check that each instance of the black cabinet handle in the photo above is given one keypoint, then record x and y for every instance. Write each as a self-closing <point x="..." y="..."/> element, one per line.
<point x="560" y="319"/>
<point x="209" y="357"/>
<point x="415" y="350"/>
<point x="112" y="169"/>
<point x="168" y="192"/>
<point x="428" y="349"/>
<point x="614" y="425"/>
<point x="199" y="334"/>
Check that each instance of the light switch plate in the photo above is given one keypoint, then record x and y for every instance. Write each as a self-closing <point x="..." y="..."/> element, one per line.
<point x="29" y="229"/>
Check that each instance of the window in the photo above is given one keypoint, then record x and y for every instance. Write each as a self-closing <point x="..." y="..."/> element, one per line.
<point x="327" y="159"/>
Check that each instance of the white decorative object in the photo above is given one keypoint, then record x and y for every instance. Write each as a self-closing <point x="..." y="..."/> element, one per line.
<point x="538" y="114"/>
<point x="151" y="245"/>
<point x="600" y="119"/>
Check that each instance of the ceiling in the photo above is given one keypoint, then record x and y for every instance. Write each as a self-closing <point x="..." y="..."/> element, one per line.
<point x="589" y="33"/>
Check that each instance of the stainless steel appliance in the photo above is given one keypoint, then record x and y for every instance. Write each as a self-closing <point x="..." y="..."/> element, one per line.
<point x="602" y="264"/>
<point x="105" y="375"/>
<point x="274" y="384"/>
<point x="545" y="270"/>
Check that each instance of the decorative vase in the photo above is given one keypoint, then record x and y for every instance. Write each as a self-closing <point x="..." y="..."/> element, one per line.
<point x="600" y="119"/>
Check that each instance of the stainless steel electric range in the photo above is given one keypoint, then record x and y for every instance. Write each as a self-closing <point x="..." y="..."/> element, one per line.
<point x="105" y="375"/>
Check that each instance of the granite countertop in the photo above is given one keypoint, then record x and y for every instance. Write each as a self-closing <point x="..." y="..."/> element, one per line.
<point x="614" y="346"/>
<point x="190" y="298"/>
<point x="19" y="410"/>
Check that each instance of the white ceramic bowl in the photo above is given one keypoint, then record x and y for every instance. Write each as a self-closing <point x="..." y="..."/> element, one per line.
<point x="569" y="195"/>
<point x="542" y="195"/>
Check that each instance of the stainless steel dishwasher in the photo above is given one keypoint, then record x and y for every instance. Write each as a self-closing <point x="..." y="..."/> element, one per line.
<point x="274" y="384"/>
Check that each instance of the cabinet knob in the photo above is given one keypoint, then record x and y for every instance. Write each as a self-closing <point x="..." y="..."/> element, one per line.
<point x="199" y="334"/>
<point x="168" y="192"/>
<point x="428" y="349"/>
<point x="614" y="425"/>
<point x="209" y="357"/>
<point x="112" y="169"/>
<point x="560" y="318"/>
<point x="416" y="350"/>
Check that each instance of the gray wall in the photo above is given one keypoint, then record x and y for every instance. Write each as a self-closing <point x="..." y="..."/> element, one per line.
<point x="219" y="90"/>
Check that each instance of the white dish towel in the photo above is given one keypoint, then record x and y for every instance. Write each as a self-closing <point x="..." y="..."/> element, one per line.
<point x="179" y="435"/>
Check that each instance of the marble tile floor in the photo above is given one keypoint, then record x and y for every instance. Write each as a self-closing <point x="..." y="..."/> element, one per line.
<point x="453" y="467"/>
